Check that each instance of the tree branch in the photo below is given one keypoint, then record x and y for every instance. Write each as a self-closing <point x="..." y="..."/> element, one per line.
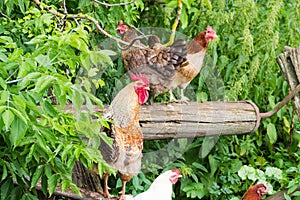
<point x="174" y="26"/>
<point x="115" y="4"/>
<point x="81" y="16"/>
<point x="4" y="15"/>
<point x="281" y="104"/>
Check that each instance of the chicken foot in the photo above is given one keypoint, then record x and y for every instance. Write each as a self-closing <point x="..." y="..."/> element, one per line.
<point x="183" y="99"/>
<point x="172" y="97"/>
<point x="122" y="192"/>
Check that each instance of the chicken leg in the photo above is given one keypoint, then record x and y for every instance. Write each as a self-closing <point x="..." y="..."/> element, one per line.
<point x="106" y="188"/>
<point x="122" y="192"/>
<point x="172" y="98"/>
<point x="183" y="99"/>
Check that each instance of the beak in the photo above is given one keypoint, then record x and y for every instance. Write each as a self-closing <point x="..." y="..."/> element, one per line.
<point x="147" y="88"/>
<point x="179" y="176"/>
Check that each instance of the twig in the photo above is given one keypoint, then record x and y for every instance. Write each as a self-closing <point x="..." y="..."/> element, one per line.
<point x="133" y="41"/>
<point x="4" y="15"/>
<point x="115" y="4"/>
<point x="65" y="7"/>
<point x="81" y="16"/>
<point x="174" y="26"/>
<point x="281" y="104"/>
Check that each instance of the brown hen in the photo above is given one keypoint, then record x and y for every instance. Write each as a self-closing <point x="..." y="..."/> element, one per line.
<point x="157" y="62"/>
<point x="184" y="70"/>
<point x="256" y="192"/>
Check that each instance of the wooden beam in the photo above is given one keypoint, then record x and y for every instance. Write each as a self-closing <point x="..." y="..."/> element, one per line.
<point x="188" y="120"/>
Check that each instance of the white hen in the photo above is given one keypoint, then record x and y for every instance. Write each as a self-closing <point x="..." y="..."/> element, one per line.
<point x="161" y="188"/>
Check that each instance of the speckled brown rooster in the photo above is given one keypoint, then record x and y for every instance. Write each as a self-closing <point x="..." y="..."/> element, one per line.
<point x="126" y="152"/>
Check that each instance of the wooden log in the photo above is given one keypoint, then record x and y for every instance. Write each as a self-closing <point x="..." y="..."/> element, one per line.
<point x="161" y="121"/>
<point x="289" y="62"/>
<point x="187" y="120"/>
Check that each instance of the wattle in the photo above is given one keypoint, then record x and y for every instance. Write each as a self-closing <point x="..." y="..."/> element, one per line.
<point x="143" y="96"/>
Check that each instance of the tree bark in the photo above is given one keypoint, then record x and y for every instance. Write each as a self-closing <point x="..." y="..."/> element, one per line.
<point x="289" y="62"/>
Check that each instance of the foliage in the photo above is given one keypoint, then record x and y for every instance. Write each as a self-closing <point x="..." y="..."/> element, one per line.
<point x="39" y="141"/>
<point x="42" y="55"/>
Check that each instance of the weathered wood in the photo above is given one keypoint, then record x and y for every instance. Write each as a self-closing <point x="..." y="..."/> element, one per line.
<point x="289" y="62"/>
<point x="176" y="120"/>
<point x="161" y="121"/>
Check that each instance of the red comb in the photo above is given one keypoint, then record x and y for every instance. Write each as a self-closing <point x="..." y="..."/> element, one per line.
<point x="120" y="23"/>
<point x="136" y="77"/>
<point x="209" y="28"/>
<point x="176" y="171"/>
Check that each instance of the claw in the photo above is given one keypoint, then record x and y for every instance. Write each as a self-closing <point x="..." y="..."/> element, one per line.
<point x="172" y="98"/>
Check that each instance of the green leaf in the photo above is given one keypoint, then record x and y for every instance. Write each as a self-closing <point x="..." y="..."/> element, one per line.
<point x="4" y="173"/>
<point x="207" y="145"/>
<point x="65" y="184"/>
<point x="184" y="18"/>
<point x="4" y="97"/>
<point x="21" y="5"/>
<point x="213" y="164"/>
<point x="3" y="84"/>
<point x="93" y="72"/>
<point x="272" y="133"/>
<point x="49" y="109"/>
<point x="8" y="117"/>
<point x="43" y="83"/>
<point x="77" y="100"/>
<point x="20" y="115"/>
<point x="52" y="183"/>
<point x="296" y="194"/>
<point x="43" y="60"/>
<point x="3" y="57"/>
<point x="199" y="166"/>
<point x="29" y="78"/>
<point x="36" y="176"/>
<point x="5" y="188"/>
<point x="18" y="130"/>
<point x="287" y="197"/>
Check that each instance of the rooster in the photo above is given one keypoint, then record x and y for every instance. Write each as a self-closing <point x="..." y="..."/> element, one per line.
<point x="126" y="152"/>
<point x="256" y="192"/>
<point x="161" y="188"/>
<point x="157" y="62"/>
<point x="183" y="73"/>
